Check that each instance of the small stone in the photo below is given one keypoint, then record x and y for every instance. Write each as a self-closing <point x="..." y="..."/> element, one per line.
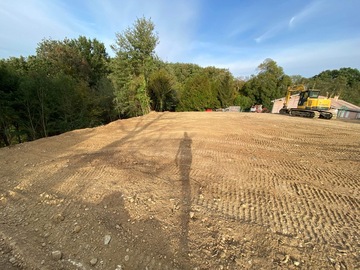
<point x="107" y="239"/>
<point x="12" y="260"/>
<point x="56" y="255"/>
<point x="192" y="214"/>
<point x="286" y="259"/>
<point x="59" y="218"/>
<point x="296" y="263"/>
<point x="127" y="257"/>
<point x="93" y="261"/>
<point x="77" y="229"/>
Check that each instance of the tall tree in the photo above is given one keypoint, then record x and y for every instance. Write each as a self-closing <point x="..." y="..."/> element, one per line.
<point x="9" y="81"/>
<point x="198" y="94"/>
<point x="223" y="85"/>
<point x="135" y="57"/>
<point x="270" y="83"/>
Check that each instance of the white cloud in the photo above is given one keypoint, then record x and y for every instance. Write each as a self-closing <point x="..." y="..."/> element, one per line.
<point x="269" y="33"/>
<point x="291" y="22"/>
<point x="312" y="9"/>
<point x="28" y="22"/>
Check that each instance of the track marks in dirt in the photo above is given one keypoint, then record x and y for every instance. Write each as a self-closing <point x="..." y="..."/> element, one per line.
<point x="256" y="185"/>
<point x="280" y="186"/>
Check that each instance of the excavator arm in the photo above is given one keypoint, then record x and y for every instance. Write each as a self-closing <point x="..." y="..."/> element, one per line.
<point x="292" y="89"/>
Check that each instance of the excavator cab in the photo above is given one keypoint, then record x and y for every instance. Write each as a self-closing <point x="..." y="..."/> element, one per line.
<point x="303" y="98"/>
<point x="310" y="100"/>
<point x="306" y="96"/>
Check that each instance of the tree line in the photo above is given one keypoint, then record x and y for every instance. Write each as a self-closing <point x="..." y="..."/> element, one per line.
<point x="73" y="83"/>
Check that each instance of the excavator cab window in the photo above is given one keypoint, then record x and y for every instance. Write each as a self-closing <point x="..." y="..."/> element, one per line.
<point x="303" y="98"/>
<point x="314" y="94"/>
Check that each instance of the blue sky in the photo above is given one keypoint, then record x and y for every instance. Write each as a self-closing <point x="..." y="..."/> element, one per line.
<point x="304" y="37"/>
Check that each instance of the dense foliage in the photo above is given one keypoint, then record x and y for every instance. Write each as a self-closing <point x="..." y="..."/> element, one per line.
<point x="64" y="87"/>
<point x="73" y="84"/>
<point x="344" y="82"/>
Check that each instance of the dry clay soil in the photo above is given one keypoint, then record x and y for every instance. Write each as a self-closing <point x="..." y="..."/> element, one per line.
<point x="185" y="191"/>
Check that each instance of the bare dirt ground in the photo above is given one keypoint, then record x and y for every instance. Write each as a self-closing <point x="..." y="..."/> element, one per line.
<point x="185" y="191"/>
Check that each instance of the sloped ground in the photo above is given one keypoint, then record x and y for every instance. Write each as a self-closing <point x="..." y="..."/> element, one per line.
<point x="185" y="191"/>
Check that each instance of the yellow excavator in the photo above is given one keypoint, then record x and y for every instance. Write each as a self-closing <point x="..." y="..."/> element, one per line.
<point x="310" y="105"/>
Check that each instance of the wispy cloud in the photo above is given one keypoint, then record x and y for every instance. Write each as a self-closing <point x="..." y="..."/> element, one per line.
<point x="270" y="33"/>
<point x="312" y="9"/>
<point x="26" y="23"/>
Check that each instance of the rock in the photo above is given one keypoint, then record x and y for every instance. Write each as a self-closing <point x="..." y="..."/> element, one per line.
<point x="107" y="239"/>
<point x="296" y="263"/>
<point x="59" y="218"/>
<point x="56" y="255"/>
<point x="12" y="260"/>
<point x="77" y="229"/>
<point x="192" y="214"/>
<point x="93" y="261"/>
<point x="127" y="257"/>
<point x="286" y="259"/>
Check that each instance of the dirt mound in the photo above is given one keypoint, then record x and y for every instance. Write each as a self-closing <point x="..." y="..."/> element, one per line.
<point x="185" y="191"/>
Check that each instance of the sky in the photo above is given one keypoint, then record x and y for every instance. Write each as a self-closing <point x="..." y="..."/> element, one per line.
<point x="304" y="37"/>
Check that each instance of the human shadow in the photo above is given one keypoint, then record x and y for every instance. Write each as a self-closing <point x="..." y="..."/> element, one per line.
<point x="184" y="160"/>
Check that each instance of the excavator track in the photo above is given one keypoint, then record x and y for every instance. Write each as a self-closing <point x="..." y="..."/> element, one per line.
<point x="326" y="115"/>
<point x="306" y="113"/>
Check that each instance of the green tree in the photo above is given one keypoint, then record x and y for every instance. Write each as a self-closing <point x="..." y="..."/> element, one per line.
<point x="162" y="91"/>
<point x="270" y="83"/>
<point x="94" y="54"/>
<point x="135" y="58"/>
<point x="197" y="94"/>
<point x="80" y="58"/>
<point x="344" y="82"/>
<point x="134" y="101"/>
<point x="222" y="86"/>
<point x="87" y="63"/>
<point x="9" y="81"/>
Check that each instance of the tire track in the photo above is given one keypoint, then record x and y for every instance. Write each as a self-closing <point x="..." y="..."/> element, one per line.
<point x="308" y="215"/>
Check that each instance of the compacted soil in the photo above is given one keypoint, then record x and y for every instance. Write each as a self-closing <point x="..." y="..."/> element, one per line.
<point x="185" y="191"/>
